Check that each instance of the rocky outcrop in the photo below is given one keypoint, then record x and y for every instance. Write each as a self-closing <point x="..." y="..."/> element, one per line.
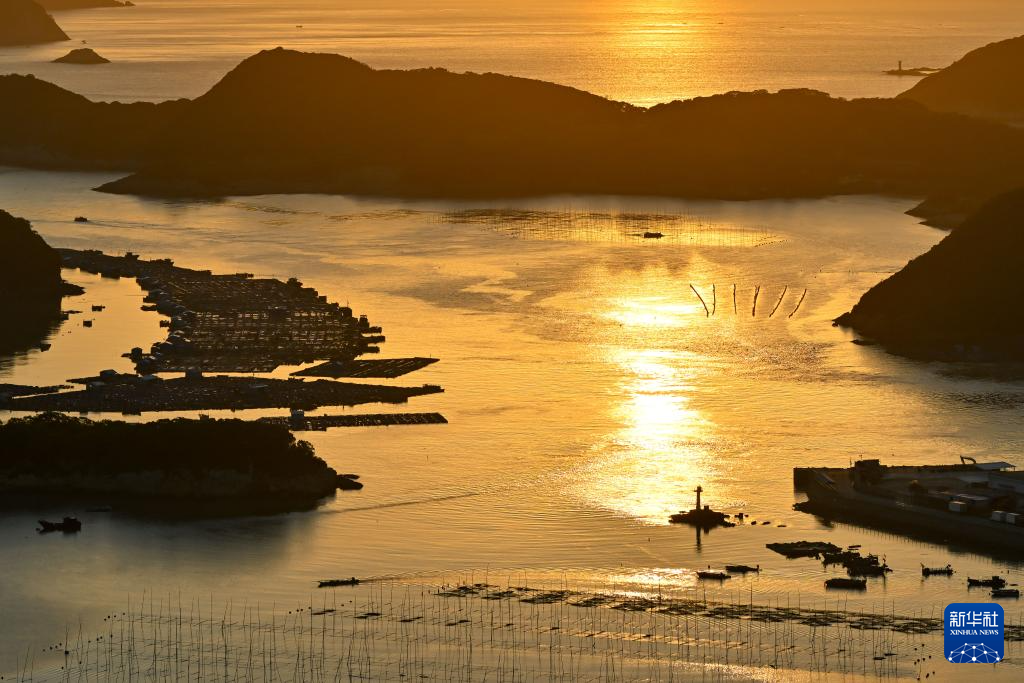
<point x="82" y="55"/>
<point x="960" y="300"/>
<point x="23" y="22"/>
<point x="985" y="83"/>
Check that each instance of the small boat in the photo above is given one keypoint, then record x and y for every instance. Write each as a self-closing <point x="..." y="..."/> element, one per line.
<point x="331" y="583"/>
<point x="803" y="548"/>
<point x="741" y="568"/>
<point x="851" y="584"/>
<point x="1006" y="593"/>
<point x="937" y="571"/>
<point x="994" y="582"/>
<point x="68" y="524"/>
<point x="712" y="575"/>
<point x="653" y="235"/>
<point x="81" y="219"/>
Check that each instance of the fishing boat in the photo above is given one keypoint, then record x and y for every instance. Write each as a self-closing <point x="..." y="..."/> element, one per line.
<point x="851" y="584"/>
<point x="937" y="571"/>
<point x="331" y="583"/>
<point x="994" y="582"/>
<point x="741" y="568"/>
<point x="712" y="575"/>
<point x="1006" y="593"/>
<point x="69" y="524"/>
<point x="653" y="235"/>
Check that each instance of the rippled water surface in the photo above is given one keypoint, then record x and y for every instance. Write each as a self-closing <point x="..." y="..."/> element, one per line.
<point x="587" y="388"/>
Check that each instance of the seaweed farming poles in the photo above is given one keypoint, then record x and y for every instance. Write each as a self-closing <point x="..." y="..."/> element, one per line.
<point x="757" y="291"/>
<point x="396" y="631"/>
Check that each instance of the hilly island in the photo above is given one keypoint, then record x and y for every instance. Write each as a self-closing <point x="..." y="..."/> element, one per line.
<point x="23" y="22"/>
<point x="290" y="122"/>
<point x="953" y="302"/>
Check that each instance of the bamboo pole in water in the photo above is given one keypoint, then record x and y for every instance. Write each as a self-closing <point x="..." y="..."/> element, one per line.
<point x="798" y="303"/>
<point x="714" y="300"/>
<point x="706" y="311"/>
<point x="734" y="310"/>
<point x="779" y="302"/>
<point x="757" y="290"/>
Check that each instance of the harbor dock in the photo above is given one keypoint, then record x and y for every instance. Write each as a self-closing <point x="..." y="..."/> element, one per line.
<point x="971" y="504"/>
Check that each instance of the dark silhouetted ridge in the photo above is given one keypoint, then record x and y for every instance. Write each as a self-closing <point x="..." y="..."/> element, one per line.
<point x="58" y="5"/>
<point x="959" y="300"/>
<point x="286" y="121"/>
<point x="45" y="126"/>
<point x="23" y="22"/>
<point x="986" y="82"/>
<point x="31" y="287"/>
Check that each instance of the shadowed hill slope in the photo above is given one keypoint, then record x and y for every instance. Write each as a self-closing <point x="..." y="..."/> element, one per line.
<point x="961" y="298"/>
<point x="985" y="82"/>
<point x="31" y="287"/>
<point x="286" y="121"/>
<point x="23" y="22"/>
<point x="45" y="126"/>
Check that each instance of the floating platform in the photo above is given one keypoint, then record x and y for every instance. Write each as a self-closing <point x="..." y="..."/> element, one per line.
<point x="320" y="423"/>
<point x="971" y="504"/>
<point x="383" y="368"/>
<point x="8" y="391"/>
<point x="132" y="394"/>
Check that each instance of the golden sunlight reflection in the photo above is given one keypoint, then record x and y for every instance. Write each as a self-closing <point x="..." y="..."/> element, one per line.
<point x="647" y="468"/>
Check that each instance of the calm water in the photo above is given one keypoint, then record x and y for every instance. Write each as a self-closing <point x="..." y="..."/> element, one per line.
<point x="642" y="51"/>
<point x="587" y="390"/>
<point x="588" y="394"/>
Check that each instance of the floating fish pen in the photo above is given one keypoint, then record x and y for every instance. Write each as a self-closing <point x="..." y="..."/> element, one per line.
<point x="384" y="368"/>
<point x="319" y="423"/>
<point x="232" y="323"/>
<point x="615" y="227"/>
<point x="397" y="631"/>
<point x="149" y="393"/>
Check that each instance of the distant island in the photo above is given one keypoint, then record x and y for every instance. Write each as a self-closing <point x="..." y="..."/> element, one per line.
<point x="24" y="22"/>
<point x="82" y="55"/>
<point x="294" y="122"/>
<point x="31" y="287"/>
<point x="955" y="302"/>
<point x="241" y="465"/>
<point x="983" y="83"/>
